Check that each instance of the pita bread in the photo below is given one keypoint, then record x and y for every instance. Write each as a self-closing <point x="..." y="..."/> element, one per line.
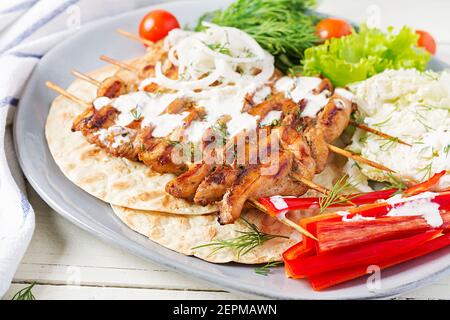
<point x="115" y="180"/>
<point x="183" y="233"/>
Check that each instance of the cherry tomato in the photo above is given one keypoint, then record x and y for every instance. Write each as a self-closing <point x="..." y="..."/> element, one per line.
<point x="157" y="24"/>
<point x="333" y="28"/>
<point x="426" y="41"/>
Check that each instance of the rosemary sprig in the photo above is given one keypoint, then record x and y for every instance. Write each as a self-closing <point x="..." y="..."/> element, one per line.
<point x="265" y="270"/>
<point x="25" y="293"/>
<point x="243" y="244"/>
<point x="336" y="195"/>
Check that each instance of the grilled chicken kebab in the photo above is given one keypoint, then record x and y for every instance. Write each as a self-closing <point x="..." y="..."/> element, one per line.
<point x="294" y="119"/>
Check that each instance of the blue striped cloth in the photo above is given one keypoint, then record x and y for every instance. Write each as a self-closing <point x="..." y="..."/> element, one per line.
<point x="29" y="29"/>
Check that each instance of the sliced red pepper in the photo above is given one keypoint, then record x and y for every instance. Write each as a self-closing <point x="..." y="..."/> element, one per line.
<point x="308" y="203"/>
<point x="368" y="254"/>
<point x="426" y="185"/>
<point x="293" y="203"/>
<point x="326" y="280"/>
<point x="297" y="251"/>
<point x="338" y="235"/>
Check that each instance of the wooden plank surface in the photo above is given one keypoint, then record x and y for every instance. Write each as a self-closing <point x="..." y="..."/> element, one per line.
<point x="68" y="263"/>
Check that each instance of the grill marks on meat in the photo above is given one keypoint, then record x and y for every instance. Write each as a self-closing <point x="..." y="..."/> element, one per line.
<point x="303" y="146"/>
<point x="114" y="87"/>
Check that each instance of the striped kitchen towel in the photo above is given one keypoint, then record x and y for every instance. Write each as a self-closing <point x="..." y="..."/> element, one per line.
<point x="29" y="29"/>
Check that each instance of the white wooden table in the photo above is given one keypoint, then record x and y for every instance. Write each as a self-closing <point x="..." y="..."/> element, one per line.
<point x="68" y="263"/>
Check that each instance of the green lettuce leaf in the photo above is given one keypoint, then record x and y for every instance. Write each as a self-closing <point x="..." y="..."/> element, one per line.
<point x="363" y="54"/>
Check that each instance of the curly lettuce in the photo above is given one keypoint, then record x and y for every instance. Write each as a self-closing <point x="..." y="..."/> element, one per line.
<point x="363" y="54"/>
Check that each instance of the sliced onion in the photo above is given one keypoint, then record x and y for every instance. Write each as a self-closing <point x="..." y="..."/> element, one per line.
<point x="162" y="80"/>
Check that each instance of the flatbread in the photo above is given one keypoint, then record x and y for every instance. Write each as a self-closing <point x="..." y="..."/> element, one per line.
<point x="115" y="180"/>
<point x="183" y="233"/>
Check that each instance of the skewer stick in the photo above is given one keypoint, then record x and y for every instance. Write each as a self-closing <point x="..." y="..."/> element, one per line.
<point x="135" y="37"/>
<point x="317" y="187"/>
<point x="282" y="219"/>
<point x="119" y="64"/>
<point x="67" y="94"/>
<point x="358" y="158"/>
<point x="85" y="77"/>
<point x="378" y="133"/>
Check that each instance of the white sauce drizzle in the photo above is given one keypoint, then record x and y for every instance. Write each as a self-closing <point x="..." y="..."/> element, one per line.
<point x="271" y="117"/>
<point x="355" y="218"/>
<point x="345" y="94"/>
<point x="166" y="123"/>
<point x="303" y="88"/>
<point x="278" y="202"/>
<point x="423" y="207"/>
<point x="261" y="94"/>
<point x="101" y="102"/>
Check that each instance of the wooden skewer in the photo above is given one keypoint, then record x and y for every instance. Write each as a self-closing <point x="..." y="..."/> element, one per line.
<point x="135" y="37"/>
<point x="358" y="158"/>
<point x="378" y="133"/>
<point x="318" y="188"/>
<point x="254" y="202"/>
<point x="67" y="94"/>
<point x="119" y="64"/>
<point x="282" y="219"/>
<point x="85" y="77"/>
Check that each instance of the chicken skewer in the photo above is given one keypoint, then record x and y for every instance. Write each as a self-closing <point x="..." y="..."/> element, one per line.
<point x="310" y="184"/>
<point x="253" y="202"/>
<point x="332" y="148"/>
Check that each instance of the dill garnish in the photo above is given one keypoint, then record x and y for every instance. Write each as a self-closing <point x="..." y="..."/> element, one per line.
<point x="395" y="182"/>
<point x="336" y="195"/>
<point x="265" y="270"/>
<point x="427" y="171"/>
<point x="388" y="142"/>
<point x="136" y="113"/>
<point x="282" y="27"/>
<point x="25" y="293"/>
<point x="220" y="129"/>
<point x="446" y="150"/>
<point x="275" y="123"/>
<point x="243" y="244"/>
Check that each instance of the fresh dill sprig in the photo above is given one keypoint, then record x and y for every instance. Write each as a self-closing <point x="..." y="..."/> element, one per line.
<point x="25" y="293"/>
<point x="447" y="150"/>
<point x="282" y="27"/>
<point x="136" y="113"/>
<point x="336" y="195"/>
<point x="243" y="244"/>
<point x="427" y="170"/>
<point x="388" y="142"/>
<point x="265" y="270"/>
<point x="395" y="182"/>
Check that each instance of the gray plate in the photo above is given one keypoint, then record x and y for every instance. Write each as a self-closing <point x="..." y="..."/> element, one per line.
<point x="81" y="52"/>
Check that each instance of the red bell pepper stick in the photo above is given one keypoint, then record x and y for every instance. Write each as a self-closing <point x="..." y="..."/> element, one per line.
<point x="308" y="203"/>
<point x="368" y="254"/>
<point x="326" y="280"/>
<point x="358" y="199"/>
<point x="338" y="235"/>
<point x="426" y="185"/>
